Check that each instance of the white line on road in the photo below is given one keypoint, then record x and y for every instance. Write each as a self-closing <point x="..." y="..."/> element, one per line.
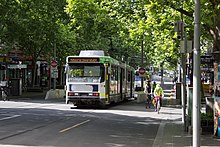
<point x="160" y="133"/>
<point x="74" y="126"/>
<point x="4" y="145"/>
<point x="10" y="117"/>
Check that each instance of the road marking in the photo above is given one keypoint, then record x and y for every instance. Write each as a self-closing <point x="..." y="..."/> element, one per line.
<point x="7" y="145"/>
<point x="160" y="135"/>
<point x="10" y="117"/>
<point x="74" y="126"/>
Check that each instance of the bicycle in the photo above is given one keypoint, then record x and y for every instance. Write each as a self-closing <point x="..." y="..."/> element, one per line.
<point x="158" y="99"/>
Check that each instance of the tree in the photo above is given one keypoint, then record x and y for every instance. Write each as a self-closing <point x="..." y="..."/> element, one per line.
<point x="146" y="21"/>
<point x="34" y="26"/>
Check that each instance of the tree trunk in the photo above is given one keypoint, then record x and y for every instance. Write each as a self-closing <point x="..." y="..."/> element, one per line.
<point x="34" y="73"/>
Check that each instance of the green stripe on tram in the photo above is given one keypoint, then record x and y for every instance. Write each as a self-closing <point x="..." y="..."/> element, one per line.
<point x="107" y="59"/>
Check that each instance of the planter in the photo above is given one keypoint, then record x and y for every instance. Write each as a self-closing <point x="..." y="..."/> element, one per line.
<point x="207" y="122"/>
<point x="207" y="126"/>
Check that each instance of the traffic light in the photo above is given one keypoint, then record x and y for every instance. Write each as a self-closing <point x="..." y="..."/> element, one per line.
<point x="179" y="28"/>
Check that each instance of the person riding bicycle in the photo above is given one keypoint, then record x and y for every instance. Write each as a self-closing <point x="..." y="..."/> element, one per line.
<point x="158" y="93"/>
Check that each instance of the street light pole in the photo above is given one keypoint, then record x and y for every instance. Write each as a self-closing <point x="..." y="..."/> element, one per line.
<point x="179" y="28"/>
<point x="54" y="79"/>
<point x="196" y="77"/>
<point x="184" y="79"/>
<point x="142" y="60"/>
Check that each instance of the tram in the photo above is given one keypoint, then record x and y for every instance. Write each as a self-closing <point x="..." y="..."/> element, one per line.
<point x="95" y="79"/>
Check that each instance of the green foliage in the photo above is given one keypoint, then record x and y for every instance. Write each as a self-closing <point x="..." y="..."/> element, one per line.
<point x="119" y="27"/>
<point x="207" y="116"/>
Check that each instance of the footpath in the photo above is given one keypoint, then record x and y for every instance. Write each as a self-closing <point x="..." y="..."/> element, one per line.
<point x="171" y="132"/>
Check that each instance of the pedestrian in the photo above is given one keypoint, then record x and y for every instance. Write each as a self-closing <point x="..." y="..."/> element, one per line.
<point x="174" y="83"/>
<point x="175" y="80"/>
<point x="148" y="93"/>
<point x="158" y="92"/>
<point x="154" y="86"/>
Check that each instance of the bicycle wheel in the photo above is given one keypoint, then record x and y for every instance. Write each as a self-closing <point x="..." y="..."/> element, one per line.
<point x="158" y="105"/>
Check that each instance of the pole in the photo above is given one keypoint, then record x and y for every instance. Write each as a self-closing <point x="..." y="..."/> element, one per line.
<point x="179" y="72"/>
<point x="183" y="85"/>
<point x="196" y="77"/>
<point x="142" y="50"/>
<point x="184" y="80"/>
<point x="142" y="60"/>
<point x="54" y="79"/>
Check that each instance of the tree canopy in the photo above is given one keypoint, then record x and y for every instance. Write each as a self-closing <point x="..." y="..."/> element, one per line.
<point x="38" y="27"/>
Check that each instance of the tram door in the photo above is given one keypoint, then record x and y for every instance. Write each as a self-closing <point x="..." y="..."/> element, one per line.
<point x="107" y="83"/>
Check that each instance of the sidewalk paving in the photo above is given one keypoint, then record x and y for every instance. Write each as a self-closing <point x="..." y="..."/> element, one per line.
<point x="171" y="132"/>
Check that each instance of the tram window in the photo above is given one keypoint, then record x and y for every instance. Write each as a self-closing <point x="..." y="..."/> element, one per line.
<point x="92" y="71"/>
<point x="119" y="72"/>
<point x="129" y="76"/>
<point x="89" y="71"/>
<point x="114" y="75"/>
<point x="123" y="73"/>
<point x="75" y="72"/>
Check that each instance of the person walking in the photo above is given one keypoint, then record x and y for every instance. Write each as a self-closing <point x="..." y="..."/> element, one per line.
<point x="154" y="86"/>
<point x="158" y="93"/>
<point x="148" y="93"/>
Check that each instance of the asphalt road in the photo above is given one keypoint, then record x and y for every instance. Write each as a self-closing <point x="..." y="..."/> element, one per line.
<point x="49" y="124"/>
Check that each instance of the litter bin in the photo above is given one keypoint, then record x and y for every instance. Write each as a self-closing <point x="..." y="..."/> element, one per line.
<point x="16" y="86"/>
<point x="178" y="92"/>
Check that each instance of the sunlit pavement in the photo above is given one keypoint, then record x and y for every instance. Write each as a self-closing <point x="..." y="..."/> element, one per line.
<point x="128" y="109"/>
<point x="171" y="131"/>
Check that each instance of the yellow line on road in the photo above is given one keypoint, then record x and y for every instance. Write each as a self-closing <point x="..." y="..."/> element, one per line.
<point x="69" y="128"/>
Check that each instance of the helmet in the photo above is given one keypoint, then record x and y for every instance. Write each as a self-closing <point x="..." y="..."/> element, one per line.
<point x="158" y="85"/>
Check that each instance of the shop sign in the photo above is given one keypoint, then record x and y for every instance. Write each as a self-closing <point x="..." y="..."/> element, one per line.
<point x="17" y="66"/>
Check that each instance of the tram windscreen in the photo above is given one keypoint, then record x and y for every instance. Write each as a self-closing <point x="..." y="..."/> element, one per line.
<point x="86" y="72"/>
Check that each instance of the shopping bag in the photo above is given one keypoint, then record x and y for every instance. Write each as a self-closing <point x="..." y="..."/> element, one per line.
<point x="154" y="102"/>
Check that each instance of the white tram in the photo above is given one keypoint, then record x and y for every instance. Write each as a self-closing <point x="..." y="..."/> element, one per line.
<point x="95" y="79"/>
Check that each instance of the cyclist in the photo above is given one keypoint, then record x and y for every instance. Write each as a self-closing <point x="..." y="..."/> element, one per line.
<point x="158" y="93"/>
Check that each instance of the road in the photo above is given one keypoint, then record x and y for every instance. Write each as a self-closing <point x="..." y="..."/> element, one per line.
<point x="54" y="124"/>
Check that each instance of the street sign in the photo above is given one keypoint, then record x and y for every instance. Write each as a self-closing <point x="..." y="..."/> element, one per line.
<point x="53" y="63"/>
<point x="141" y="70"/>
<point x="54" y="73"/>
<point x="188" y="47"/>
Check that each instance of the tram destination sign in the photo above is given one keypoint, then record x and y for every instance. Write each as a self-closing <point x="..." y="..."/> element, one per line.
<point x="83" y="60"/>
